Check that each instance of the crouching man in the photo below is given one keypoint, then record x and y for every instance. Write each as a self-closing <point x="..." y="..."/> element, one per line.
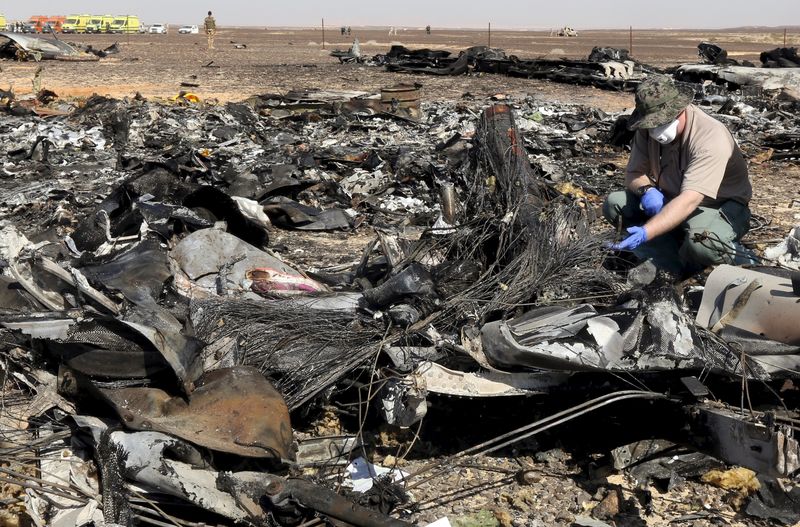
<point x="685" y="203"/>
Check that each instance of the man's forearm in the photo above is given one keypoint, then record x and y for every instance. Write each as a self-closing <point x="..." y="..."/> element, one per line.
<point x="673" y="214"/>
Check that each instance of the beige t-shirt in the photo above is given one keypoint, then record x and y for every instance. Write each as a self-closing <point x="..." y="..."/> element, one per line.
<point x="705" y="159"/>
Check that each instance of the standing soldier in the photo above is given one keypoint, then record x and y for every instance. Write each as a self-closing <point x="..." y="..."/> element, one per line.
<point x="211" y="29"/>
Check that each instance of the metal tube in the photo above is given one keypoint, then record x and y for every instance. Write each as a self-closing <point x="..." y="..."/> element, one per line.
<point x="448" y="197"/>
<point x="331" y="504"/>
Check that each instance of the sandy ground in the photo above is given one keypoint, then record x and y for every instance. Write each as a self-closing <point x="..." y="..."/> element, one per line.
<point x="279" y="60"/>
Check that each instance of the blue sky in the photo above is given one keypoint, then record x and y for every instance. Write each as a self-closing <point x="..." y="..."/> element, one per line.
<point x="516" y="14"/>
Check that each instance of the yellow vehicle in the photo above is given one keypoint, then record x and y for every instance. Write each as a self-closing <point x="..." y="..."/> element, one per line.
<point x="75" y="24"/>
<point x="99" y="24"/>
<point x="3" y="22"/>
<point x="124" y="24"/>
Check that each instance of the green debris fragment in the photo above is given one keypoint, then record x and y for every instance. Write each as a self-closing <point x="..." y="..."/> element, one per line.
<point x="481" y="518"/>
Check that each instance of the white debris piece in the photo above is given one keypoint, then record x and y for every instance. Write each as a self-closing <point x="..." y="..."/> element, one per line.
<point x="362" y="473"/>
<point x="788" y="251"/>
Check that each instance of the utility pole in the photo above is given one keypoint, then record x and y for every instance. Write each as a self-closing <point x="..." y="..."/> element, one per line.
<point x="490" y="34"/>
<point x="630" y="40"/>
<point x="323" y="33"/>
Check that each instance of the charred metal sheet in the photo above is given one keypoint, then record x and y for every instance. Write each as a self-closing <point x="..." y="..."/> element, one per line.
<point x="780" y="58"/>
<point x="784" y="81"/>
<point x="40" y="325"/>
<point x="165" y="332"/>
<point x="760" y="444"/>
<point x="402" y="52"/>
<point x="604" y="54"/>
<point x="711" y="53"/>
<point x="36" y="48"/>
<point x="141" y="270"/>
<point x="148" y="460"/>
<point x="351" y="55"/>
<point x="212" y="262"/>
<point x="615" y="75"/>
<point x="233" y="410"/>
<point x="458" y="67"/>
<point x="655" y="335"/>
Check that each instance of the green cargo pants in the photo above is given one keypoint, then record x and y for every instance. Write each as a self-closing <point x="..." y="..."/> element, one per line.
<point x="709" y="236"/>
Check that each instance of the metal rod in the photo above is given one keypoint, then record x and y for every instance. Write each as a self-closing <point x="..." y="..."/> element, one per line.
<point x="155" y="508"/>
<point x="542" y="424"/>
<point x="43" y="490"/>
<point x="323" y="33"/>
<point x="15" y="474"/>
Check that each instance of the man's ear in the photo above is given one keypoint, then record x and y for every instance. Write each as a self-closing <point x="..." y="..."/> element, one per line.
<point x="681" y="121"/>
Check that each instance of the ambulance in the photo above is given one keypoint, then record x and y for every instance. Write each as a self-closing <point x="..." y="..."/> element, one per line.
<point x="75" y="24"/>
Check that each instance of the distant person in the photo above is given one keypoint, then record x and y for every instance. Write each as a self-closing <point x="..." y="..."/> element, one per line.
<point x="687" y="189"/>
<point x="349" y="31"/>
<point x="428" y="29"/>
<point x="211" y="29"/>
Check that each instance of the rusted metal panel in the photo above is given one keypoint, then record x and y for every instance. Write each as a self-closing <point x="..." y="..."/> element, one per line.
<point x="233" y="410"/>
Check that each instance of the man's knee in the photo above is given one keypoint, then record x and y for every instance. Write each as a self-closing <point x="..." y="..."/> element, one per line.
<point x="703" y="248"/>
<point x="617" y="204"/>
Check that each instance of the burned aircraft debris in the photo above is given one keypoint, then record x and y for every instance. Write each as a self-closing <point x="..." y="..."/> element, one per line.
<point x="25" y="47"/>
<point x="168" y="317"/>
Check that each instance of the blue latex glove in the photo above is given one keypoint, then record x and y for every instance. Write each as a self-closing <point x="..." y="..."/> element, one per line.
<point x="637" y="236"/>
<point x="652" y="201"/>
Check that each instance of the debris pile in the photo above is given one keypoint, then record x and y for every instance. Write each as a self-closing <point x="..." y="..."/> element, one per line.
<point x="175" y="315"/>
<point x="17" y="46"/>
<point x="779" y="75"/>
<point x="607" y="68"/>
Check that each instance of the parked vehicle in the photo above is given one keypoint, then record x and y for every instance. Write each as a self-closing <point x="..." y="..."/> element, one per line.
<point x="124" y="24"/>
<point x="187" y="30"/>
<point x="75" y="24"/>
<point x="38" y="22"/>
<point x="99" y="24"/>
<point x="160" y="29"/>
<point x="3" y="22"/>
<point x="56" y="22"/>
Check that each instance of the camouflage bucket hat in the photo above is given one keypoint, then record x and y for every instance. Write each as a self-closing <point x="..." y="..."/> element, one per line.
<point x="658" y="101"/>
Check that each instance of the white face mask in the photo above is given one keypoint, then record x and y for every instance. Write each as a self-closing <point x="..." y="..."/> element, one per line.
<point x="666" y="133"/>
